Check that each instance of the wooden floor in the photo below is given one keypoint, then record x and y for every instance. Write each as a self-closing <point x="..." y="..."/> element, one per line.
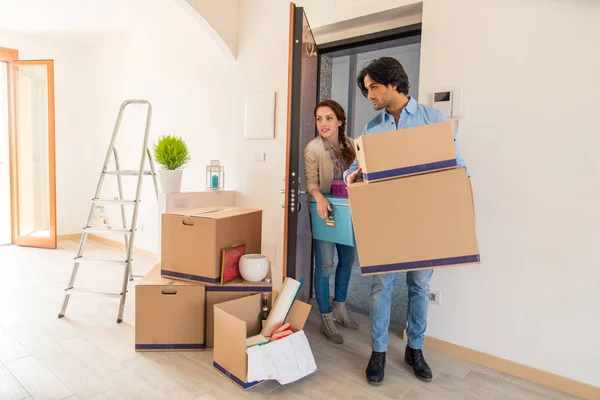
<point x="87" y="355"/>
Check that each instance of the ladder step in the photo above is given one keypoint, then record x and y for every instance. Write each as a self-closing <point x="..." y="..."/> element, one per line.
<point x="91" y="292"/>
<point x="128" y="172"/>
<point x="105" y="230"/>
<point x="113" y="201"/>
<point x="88" y="259"/>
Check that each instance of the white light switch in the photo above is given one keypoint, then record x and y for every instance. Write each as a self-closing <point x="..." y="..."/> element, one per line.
<point x="259" y="157"/>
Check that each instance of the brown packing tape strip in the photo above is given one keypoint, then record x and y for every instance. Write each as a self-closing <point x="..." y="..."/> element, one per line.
<point x="187" y="218"/>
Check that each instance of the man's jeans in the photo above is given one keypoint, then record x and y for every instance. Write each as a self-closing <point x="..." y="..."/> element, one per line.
<point x="418" y="304"/>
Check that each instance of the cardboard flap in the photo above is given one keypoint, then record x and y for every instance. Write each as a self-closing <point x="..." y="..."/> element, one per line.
<point x="230" y="343"/>
<point x="244" y="309"/>
<point x="298" y="315"/>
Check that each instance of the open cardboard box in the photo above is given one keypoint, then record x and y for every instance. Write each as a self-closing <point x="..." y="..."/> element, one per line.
<point x="405" y="152"/>
<point x="237" y="320"/>
<point x="169" y="315"/>
<point x="230" y="291"/>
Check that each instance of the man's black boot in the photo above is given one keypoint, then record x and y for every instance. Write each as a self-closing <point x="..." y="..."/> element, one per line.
<point x="375" y="369"/>
<point x="415" y="359"/>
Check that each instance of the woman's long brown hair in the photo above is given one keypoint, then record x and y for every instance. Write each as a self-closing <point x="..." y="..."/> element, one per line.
<point x="348" y="153"/>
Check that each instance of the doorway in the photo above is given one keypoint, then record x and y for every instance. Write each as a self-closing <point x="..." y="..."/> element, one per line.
<point x="27" y="157"/>
<point x="329" y="71"/>
<point x="339" y="65"/>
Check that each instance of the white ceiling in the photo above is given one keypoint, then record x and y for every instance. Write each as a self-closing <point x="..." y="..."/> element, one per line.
<point x="74" y="19"/>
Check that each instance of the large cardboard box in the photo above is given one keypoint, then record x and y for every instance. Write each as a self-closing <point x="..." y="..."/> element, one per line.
<point x="169" y="315"/>
<point x="192" y="240"/>
<point x="230" y="291"/>
<point x="237" y="320"/>
<point x="418" y="222"/>
<point x="406" y="152"/>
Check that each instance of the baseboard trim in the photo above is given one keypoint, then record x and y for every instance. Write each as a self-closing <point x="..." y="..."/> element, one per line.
<point x="531" y="374"/>
<point x="72" y="236"/>
<point x="111" y="243"/>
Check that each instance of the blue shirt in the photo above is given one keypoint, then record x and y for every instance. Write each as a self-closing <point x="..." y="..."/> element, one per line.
<point x="414" y="114"/>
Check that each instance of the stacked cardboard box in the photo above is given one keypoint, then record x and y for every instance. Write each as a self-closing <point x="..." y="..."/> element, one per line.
<point x="179" y="301"/>
<point x="174" y="302"/>
<point x="414" y="208"/>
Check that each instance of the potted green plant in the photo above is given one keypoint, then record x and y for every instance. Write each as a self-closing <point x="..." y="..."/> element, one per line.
<point x="172" y="154"/>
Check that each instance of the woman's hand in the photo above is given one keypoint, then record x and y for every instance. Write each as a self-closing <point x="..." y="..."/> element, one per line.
<point x="323" y="206"/>
<point x="351" y="178"/>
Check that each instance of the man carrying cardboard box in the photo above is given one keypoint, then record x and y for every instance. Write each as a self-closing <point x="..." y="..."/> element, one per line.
<point x="385" y="83"/>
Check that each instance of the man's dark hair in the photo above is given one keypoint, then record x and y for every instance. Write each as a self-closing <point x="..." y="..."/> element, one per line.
<point x="386" y="71"/>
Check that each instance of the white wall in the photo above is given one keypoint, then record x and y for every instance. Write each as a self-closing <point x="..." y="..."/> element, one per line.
<point x="262" y="64"/>
<point x="70" y="126"/>
<point x="531" y="142"/>
<point x="189" y="82"/>
<point x="211" y="16"/>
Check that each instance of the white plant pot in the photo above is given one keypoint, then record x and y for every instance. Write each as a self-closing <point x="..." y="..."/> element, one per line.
<point x="254" y="267"/>
<point x="170" y="180"/>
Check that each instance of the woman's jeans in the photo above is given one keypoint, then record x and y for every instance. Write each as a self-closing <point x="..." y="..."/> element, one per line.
<point x="324" y="252"/>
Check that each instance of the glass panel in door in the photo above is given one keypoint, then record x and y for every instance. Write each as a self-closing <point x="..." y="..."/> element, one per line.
<point x="35" y="165"/>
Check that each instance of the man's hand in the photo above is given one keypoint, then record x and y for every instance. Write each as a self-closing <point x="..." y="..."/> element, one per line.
<point x="353" y="177"/>
<point x="323" y="206"/>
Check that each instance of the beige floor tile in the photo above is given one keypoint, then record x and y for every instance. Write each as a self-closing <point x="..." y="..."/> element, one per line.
<point x="38" y="380"/>
<point x="10" y="348"/>
<point x="10" y="388"/>
<point x="109" y="395"/>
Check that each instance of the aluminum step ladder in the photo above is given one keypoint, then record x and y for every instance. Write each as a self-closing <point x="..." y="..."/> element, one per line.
<point x="127" y="232"/>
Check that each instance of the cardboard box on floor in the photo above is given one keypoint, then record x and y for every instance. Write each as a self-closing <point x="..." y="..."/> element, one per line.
<point x="237" y="320"/>
<point x="406" y="152"/>
<point x="230" y="291"/>
<point x="169" y="315"/>
<point x="416" y="222"/>
<point x="192" y="240"/>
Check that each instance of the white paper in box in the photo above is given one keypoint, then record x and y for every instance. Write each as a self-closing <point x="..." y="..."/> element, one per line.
<point x="285" y="360"/>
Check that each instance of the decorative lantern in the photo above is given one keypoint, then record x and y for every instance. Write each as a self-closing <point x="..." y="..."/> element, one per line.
<point x="215" y="176"/>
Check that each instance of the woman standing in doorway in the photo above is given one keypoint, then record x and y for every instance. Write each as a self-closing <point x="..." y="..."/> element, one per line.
<point x="326" y="158"/>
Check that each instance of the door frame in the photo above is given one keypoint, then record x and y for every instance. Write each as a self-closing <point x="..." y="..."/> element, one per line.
<point x="296" y="207"/>
<point x="11" y="56"/>
<point x="294" y="64"/>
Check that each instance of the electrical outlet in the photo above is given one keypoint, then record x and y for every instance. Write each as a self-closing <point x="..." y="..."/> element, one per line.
<point x="435" y="298"/>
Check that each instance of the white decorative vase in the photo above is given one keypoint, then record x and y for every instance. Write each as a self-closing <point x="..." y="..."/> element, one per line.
<point x="170" y="180"/>
<point x="254" y="267"/>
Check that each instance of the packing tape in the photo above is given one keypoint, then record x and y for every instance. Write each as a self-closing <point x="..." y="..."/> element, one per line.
<point x="187" y="217"/>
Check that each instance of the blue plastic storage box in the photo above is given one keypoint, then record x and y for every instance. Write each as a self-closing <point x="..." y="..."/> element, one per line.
<point x="338" y="228"/>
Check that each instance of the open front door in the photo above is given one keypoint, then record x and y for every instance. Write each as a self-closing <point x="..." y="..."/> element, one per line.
<point x="302" y="92"/>
<point x="33" y="177"/>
